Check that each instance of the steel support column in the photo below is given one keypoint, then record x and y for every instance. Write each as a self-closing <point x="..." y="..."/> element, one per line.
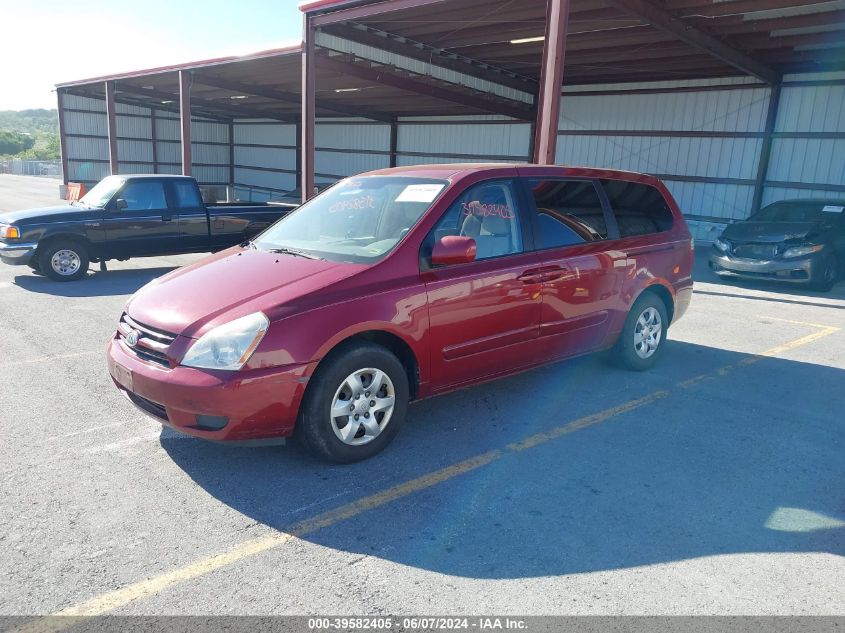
<point x="111" y="127"/>
<point x="298" y="151"/>
<point x="766" y="149"/>
<point x="307" y="148"/>
<point x="394" y="140"/>
<point x="548" y="105"/>
<point x="62" y="131"/>
<point x="232" y="155"/>
<point x="154" y="139"/>
<point x="185" y="119"/>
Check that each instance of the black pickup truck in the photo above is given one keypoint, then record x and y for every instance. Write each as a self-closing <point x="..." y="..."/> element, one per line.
<point x="128" y="216"/>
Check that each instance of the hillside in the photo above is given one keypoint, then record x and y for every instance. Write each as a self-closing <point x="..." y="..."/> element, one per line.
<point x="30" y="121"/>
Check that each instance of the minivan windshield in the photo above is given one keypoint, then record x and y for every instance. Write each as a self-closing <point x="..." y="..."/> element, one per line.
<point x="358" y="220"/>
<point x="799" y="211"/>
<point x="102" y="192"/>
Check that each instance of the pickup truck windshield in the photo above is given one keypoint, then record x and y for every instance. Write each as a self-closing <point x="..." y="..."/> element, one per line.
<point x="102" y="192"/>
<point x="358" y="220"/>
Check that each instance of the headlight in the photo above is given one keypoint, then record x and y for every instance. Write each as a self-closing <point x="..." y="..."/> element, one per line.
<point x="722" y="245"/>
<point x="9" y="232"/>
<point x="228" y="346"/>
<point x="800" y="251"/>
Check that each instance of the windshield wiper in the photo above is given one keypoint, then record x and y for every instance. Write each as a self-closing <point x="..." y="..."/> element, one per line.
<point x="295" y="253"/>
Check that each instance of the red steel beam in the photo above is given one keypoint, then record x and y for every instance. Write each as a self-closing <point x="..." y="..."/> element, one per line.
<point x="62" y="131"/>
<point x="551" y="78"/>
<point x="455" y="95"/>
<point x="668" y="23"/>
<point x="111" y="127"/>
<point x="309" y="108"/>
<point x="367" y="11"/>
<point x="290" y="97"/>
<point x="185" y="119"/>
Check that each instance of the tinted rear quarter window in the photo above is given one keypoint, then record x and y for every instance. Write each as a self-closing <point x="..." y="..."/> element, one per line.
<point x="639" y="209"/>
<point x="187" y="196"/>
<point x="568" y="212"/>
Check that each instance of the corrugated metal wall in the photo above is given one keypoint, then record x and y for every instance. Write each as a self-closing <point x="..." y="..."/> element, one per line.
<point x="704" y="143"/>
<point x="88" y="152"/>
<point x="809" y="144"/>
<point x="704" y="140"/>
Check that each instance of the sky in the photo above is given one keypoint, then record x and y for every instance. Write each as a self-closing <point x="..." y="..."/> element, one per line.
<point x="45" y="42"/>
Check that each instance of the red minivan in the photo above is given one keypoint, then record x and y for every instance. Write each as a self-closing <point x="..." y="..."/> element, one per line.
<point x="400" y="284"/>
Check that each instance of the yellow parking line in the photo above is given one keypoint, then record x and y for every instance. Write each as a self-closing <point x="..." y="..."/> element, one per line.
<point x="120" y="597"/>
<point x="807" y="323"/>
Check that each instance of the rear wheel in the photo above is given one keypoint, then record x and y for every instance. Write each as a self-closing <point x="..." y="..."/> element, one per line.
<point x="826" y="276"/>
<point x="355" y="404"/>
<point x="64" y="260"/>
<point x="642" y="338"/>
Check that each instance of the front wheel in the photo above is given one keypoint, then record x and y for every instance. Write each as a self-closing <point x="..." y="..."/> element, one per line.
<point x="355" y="404"/>
<point x="64" y="261"/>
<point x="643" y="336"/>
<point x="825" y="278"/>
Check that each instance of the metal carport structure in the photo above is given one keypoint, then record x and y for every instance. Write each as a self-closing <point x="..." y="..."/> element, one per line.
<point x="541" y="47"/>
<point x="734" y="102"/>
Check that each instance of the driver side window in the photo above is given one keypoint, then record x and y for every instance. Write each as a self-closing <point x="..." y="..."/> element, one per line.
<point x="488" y="213"/>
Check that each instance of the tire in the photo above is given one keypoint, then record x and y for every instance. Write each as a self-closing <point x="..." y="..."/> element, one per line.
<point x="825" y="279"/>
<point x="35" y="266"/>
<point x="63" y="260"/>
<point x="632" y="351"/>
<point x="333" y="389"/>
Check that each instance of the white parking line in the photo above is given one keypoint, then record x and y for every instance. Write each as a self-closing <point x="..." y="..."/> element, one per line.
<point x="91" y="430"/>
<point x="44" y="359"/>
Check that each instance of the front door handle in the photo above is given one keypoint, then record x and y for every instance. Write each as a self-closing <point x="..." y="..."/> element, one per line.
<point x="542" y="275"/>
<point x="531" y="277"/>
<point x="166" y="218"/>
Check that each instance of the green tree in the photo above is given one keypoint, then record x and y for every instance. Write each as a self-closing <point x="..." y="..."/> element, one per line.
<point x="14" y="142"/>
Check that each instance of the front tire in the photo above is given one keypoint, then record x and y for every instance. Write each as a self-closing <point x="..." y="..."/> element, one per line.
<point x="64" y="260"/>
<point x="642" y="340"/>
<point x="355" y="404"/>
<point x="826" y="277"/>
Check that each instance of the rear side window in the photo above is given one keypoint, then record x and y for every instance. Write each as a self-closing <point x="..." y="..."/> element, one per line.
<point x="568" y="212"/>
<point x="187" y="196"/>
<point x="639" y="209"/>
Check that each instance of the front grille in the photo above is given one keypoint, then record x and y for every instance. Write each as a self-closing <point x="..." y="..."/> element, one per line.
<point x="153" y="408"/>
<point x="756" y="251"/>
<point x="152" y="343"/>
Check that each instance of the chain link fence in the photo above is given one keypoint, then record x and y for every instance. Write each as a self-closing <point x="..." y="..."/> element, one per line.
<point x="46" y="168"/>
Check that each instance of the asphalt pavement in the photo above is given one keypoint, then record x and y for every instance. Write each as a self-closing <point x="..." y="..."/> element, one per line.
<point x="713" y="484"/>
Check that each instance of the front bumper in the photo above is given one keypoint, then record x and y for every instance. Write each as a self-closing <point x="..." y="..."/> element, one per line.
<point x="795" y="270"/>
<point x="254" y="405"/>
<point x="16" y="254"/>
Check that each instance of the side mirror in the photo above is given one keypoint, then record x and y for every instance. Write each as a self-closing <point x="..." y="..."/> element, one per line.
<point x="120" y="204"/>
<point x="453" y="249"/>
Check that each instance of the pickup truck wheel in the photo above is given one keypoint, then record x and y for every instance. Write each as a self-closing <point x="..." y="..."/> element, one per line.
<point x="64" y="261"/>
<point x="355" y="404"/>
<point x="642" y="338"/>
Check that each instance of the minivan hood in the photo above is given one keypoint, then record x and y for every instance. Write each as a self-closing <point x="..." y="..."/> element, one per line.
<point x="773" y="232"/>
<point x="235" y="282"/>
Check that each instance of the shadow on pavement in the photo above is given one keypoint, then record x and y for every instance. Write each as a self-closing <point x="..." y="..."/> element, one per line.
<point x="95" y="284"/>
<point x="749" y="462"/>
